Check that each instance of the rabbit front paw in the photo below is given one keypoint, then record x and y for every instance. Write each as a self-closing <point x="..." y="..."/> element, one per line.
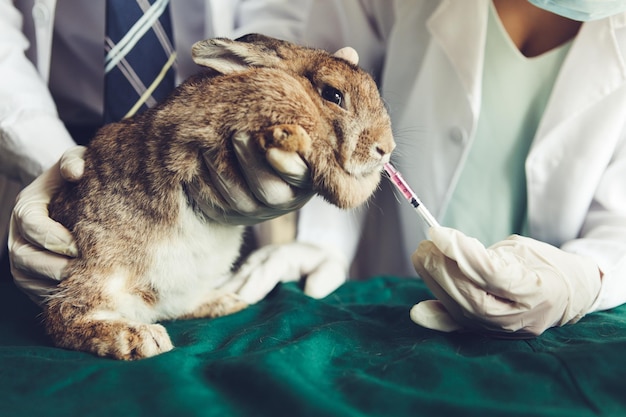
<point x="290" y="138"/>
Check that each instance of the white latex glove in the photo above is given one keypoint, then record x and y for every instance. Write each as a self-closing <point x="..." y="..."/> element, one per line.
<point x="277" y="183"/>
<point x="519" y="287"/>
<point x="39" y="247"/>
<point x="323" y="269"/>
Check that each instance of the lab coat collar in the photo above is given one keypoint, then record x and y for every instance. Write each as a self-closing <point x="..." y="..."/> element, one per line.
<point x="601" y="65"/>
<point x="465" y="52"/>
<point x="593" y="70"/>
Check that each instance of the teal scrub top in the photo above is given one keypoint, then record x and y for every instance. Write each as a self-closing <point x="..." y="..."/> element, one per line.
<point x="489" y="199"/>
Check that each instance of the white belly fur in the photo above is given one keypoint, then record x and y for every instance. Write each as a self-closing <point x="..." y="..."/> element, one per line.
<point x="188" y="265"/>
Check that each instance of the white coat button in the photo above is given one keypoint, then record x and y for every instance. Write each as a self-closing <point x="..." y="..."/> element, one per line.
<point x="41" y="14"/>
<point x="458" y="135"/>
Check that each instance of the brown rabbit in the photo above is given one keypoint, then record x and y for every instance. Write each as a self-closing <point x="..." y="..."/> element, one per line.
<point x="146" y="251"/>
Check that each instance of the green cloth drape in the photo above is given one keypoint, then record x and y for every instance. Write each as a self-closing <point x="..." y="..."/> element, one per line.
<point x="354" y="353"/>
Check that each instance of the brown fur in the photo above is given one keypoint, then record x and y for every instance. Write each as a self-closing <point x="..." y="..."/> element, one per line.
<point x="132" y="201"/>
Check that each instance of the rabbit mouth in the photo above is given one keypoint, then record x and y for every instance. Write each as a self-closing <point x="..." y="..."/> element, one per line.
<point x="357" y="169"/>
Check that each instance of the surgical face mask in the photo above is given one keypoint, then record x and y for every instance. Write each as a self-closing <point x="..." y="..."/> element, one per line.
<point x="582" y="10"/>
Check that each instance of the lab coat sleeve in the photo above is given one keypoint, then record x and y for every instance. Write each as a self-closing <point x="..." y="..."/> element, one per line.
<point x="603" y="237"/>
<point x="32" y="137"/>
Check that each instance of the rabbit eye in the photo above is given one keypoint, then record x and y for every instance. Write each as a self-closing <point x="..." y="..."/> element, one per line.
<point x="332" y="94"/>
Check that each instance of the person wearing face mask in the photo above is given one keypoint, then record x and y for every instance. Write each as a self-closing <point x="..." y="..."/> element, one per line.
<point x="510" y="119"/>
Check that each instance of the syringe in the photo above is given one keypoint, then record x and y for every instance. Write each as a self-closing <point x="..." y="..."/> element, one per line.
<point x="397" y="180"/>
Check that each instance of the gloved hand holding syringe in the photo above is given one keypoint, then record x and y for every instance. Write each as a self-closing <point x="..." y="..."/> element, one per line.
<point x="499" y="284"/>
<point x="397" y="180"/>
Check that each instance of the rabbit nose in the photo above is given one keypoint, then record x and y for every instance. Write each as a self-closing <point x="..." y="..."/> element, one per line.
<point x="384" y="153"/>
<point x="385" y="148"/>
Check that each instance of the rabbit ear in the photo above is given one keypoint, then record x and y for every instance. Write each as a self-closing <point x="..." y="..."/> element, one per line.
<point x="349" y="54"/>
<point x="226" y="55"/>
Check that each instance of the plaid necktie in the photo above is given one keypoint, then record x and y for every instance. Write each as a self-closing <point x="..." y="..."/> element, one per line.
<point x="139" y="56"/>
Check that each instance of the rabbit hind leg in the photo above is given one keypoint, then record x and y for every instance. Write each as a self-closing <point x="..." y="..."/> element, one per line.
<point x="113" y="337"/>
<point x="88" y="315"/>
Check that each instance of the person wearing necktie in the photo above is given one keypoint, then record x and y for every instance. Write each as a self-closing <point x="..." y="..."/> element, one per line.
<point x="58" y="85"/>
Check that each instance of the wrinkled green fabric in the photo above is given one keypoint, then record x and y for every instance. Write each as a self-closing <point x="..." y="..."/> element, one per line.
<point x="354" y="353"/>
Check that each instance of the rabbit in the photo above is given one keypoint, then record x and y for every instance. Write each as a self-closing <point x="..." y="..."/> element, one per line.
<point x="147" y="253"/>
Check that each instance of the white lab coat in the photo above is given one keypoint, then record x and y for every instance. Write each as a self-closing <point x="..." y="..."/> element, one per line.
<point x="428" y="57"/>
<point x="32" y="137"/>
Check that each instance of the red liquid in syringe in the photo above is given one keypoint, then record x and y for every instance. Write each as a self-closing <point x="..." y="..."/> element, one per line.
<point x="409" y="194"/>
